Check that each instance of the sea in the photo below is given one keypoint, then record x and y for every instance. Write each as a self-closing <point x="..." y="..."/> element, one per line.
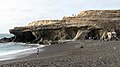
<point x="14" y="50"/>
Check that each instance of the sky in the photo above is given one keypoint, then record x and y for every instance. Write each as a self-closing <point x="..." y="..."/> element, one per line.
<point x="21" y="12"/>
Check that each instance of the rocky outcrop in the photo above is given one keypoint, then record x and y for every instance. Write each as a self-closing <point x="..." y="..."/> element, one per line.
<point x="90" y="23"/>
<point x="41" y="34"/>
<point x="3" y="40"/>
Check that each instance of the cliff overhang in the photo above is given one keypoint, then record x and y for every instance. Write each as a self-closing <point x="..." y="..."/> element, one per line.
<point x="90" y="23"/>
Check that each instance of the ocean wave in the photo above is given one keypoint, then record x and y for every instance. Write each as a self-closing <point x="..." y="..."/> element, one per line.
<point x="13" y="49"/>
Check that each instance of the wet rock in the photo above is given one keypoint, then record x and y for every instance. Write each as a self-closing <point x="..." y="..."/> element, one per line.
<point x="3" y="40"/>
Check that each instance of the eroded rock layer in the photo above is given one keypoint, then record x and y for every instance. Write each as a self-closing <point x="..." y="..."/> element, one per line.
<point x="90" y="23"/>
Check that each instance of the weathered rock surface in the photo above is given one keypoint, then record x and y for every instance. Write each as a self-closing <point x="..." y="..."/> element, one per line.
<point x="90" y="23"/>
<point x="43" y="22"/>
<point x="3" y="40"/>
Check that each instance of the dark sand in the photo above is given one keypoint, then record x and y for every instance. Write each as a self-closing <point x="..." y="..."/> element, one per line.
<point x="86" y="53"/>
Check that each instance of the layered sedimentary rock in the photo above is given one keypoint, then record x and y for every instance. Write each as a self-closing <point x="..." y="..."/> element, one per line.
<point x="43" y="22"/>
<point x="90" y="23"/>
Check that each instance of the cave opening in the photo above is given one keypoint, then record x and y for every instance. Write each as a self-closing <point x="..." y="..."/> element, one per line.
<point x="93" y="34"/>
<point x="24" y="37"/>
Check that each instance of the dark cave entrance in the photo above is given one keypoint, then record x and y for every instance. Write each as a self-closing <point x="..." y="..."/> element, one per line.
<point x="93" y="34"/>
<point x="24" y="37"/>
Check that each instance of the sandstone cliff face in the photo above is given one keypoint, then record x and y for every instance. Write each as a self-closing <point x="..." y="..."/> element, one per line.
<point x="90" y="23"/>
<point x="43" y="22"/>
<point x="98" y="18"/>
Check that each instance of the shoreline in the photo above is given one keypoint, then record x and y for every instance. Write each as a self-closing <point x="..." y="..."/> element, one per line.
<point x="92" y="53"/>
<point x="48" y="51"/>
<point x="10" y="55"/>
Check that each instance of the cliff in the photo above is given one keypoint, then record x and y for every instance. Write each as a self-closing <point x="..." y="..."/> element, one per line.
<point x="43" y="22"/>
<point x="90" y="23"/>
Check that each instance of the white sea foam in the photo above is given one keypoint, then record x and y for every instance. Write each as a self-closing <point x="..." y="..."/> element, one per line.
<point x="13" y="50"/>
